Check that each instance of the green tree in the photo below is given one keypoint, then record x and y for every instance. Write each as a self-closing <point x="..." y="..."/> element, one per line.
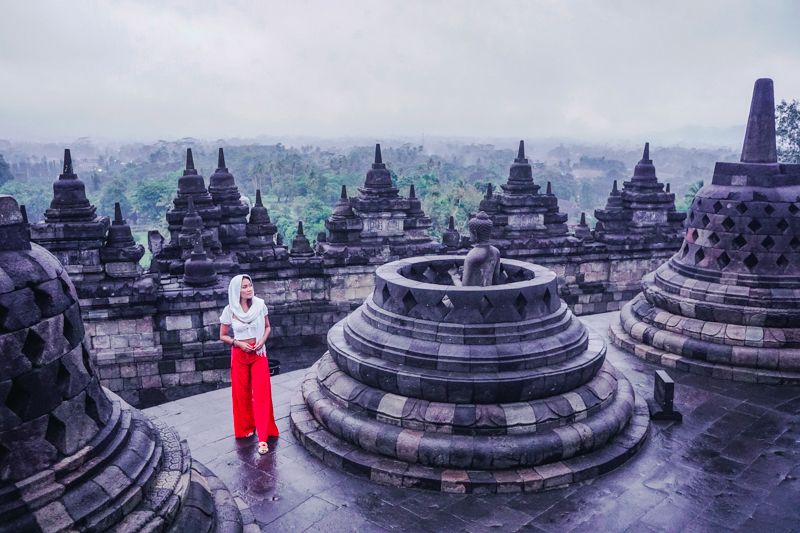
<point x="5" y="171"/>
<point x="150" y="199"/>
<point x="787" y="122"/>
<point x="686" y="202"/>
<point x="113" y="192"/>
<point x="35" y="198"/>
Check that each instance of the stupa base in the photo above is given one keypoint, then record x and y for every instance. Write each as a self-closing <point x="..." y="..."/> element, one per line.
<point x="342" y="455"/>
<point x="640" y="349"/>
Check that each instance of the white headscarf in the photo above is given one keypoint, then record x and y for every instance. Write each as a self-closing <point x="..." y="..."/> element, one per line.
<point x="256" y="310"/>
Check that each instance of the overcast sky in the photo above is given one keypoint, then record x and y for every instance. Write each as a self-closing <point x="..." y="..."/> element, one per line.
<point x="593" y="70"/>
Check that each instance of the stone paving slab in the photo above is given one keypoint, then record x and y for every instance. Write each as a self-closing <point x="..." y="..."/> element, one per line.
<point x="733" y="464"/>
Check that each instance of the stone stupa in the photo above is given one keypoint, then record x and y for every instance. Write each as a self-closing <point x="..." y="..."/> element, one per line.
<point x="727" y="305"/>
<point x="455" y="388"/>
<point x="74" y="456"/>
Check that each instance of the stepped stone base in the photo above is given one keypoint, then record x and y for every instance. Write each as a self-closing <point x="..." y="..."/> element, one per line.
<point x="345" y="456"/>
<point x="135" y="475"/>
<point x="632" y="342"/>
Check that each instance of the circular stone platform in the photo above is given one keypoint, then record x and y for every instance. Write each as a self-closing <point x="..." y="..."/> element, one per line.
<point x="464" y="389"/>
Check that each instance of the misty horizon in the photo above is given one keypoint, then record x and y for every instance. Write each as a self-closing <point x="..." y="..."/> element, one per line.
<point x="613" y="72"/>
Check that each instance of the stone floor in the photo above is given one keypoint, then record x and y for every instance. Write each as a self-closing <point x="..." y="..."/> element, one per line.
<point x="733" y="464"/>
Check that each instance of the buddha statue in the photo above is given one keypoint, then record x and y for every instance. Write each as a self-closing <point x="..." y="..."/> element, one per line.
<point x="482" y="264"/>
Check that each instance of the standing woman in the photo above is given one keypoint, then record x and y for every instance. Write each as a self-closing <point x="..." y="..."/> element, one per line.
<point x="246" y="315"/>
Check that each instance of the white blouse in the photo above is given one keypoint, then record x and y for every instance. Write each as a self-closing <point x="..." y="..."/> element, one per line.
<point x="243" y="330"/>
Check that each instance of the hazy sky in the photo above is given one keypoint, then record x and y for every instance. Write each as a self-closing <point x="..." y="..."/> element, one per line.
<point x="592" y="70"/>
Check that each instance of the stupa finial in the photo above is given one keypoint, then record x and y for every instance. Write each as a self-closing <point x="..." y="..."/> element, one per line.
<point x="258" y="198"/>
<point x="411" y="193"/>
<point x="614" y="188"/>
<point x="521" y="153"/>
<point x="759" y="139"/>
<point x="191" y="209"/>
<point x="378" y="158"/>
<point x="452" y="224"/>
<point x="583" y="219"/>
<point x="646" y="154"/>
<point x="189" y="160"/>
<point x="488" y="191"/>
<point x="221" y="159"/>
<point x="549" y="188"/>
<point x="344" y="192"/>
<point x="67" y="162"/>
<point x="118" y="213"/>
<point x="300" y="229"/>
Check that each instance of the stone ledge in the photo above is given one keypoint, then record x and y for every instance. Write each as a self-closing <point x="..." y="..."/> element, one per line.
<point x="339" y="454"/>
<point x="702" y="368"/>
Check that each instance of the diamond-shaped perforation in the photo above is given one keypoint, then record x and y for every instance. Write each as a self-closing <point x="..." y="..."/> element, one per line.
<point x="63" y="379"/>
<point x="691" y="216"/>
<point x="43" y="300"/>
<point x="70" y="333"/>
<point x="485" y="307"/>
<point x="699" y="256"/>
<point x="794" y="244"/>
<point x="67" y="291"/>
<point x="18" y="399"/>
<point x="739" y="242"/>
<point x="717" y="207"/>
<point x="33" y="347"/>
<point x="547" y="298"/>
<point x="56" y="432"/>
<point x="768" y="243"/>
<point x="3" y="318"/>
<point x="699" y="202"/>
<point x="793" y="209"/>
<point x="695" y="235"/>
<point x="754" y="225"/>
<point x="685" y="250"/>
<point x="728" y="224"/>
<point x="783" y="225"/>
<point x="782" y="262"/>
<point x="386" y="294"/>
<point x="429" y="274"/>
<point x="87" y="360"/>
<point x="713" y="238"/>
<point x="723" y="260"/>
<point x="751" y="261"/>
<point x="520" y="303"/>
<point x="705" y="220"/>
<point x="769" y="209"/>
<point x="741" y="208"/>
<point x="409" y="302"/>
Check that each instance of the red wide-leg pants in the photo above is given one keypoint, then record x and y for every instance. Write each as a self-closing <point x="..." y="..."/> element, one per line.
<point x="252" y="395"/>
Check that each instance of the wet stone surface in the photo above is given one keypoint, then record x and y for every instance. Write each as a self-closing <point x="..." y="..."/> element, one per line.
<point x="733" y="464"/>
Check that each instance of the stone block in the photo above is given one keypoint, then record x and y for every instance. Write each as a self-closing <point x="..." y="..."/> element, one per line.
<point x="178" y="322"/>
<point x="190" y="378"/>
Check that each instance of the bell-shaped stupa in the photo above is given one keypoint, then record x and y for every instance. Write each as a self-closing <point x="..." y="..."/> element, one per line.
<point x="726" y="305"/>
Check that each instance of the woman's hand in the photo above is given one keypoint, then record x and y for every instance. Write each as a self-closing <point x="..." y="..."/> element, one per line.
<point x="245" y="346"/>
<point x="259" y="344"/>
